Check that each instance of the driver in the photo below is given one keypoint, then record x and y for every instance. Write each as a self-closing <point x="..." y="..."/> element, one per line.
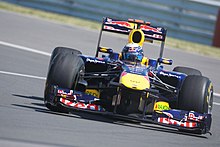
<point x="133" y="52"/>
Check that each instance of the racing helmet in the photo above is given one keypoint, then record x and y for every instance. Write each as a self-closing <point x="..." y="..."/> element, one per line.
<point x="132" y="52"/>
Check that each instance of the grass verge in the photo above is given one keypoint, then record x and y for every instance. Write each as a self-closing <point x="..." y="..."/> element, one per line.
<point x="51" y="16"/>
<point x="171" y="42"/>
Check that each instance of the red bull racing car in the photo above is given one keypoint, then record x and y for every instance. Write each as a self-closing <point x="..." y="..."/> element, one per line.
<point x="129" y="85"/>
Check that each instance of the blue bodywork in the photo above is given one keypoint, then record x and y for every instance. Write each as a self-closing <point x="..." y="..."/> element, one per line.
<point x="102" y="75"/>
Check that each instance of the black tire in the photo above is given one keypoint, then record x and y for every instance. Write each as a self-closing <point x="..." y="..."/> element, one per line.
<point x="196" y="94"/>
<point x="63" y="50"/>
<point x="63" y="72"/>
<point x="187" y="70"/>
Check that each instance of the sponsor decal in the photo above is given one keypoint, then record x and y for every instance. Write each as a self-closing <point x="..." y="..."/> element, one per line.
<point x="169" y="74"/>
<point x="94" y="61"/>
<point x="120" y="23"/>
<point x="161" y="106"/>
<point x="113" y="29"/>
<point x="192" y="116"/>
<point x="93" y="92"/>
<point x="134" y="81"/>
<point x="177" y="123"/>
<point x="81" y="105"/>
<point x="148" y="28"/>
<point x="154" y="36"/>
<point x="114" y="24"/>
<point x="62" y="92"/>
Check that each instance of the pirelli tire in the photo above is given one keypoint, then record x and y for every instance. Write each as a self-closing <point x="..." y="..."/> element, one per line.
<point x="196" y="94"/>
<point x="187" y="70"/>
<point x="63" y="71"/>
<point x="63" y="50"/>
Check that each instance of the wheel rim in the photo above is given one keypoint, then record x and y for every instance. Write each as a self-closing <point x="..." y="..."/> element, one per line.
<point x="210" y="99"/>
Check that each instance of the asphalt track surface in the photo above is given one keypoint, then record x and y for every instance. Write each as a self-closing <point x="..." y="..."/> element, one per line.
<point x="25" y="45"/>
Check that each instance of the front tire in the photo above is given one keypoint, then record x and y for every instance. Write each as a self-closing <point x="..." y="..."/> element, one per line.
<point x="63" y="72"/>
<point x="196" y="94"/>
<point x="64" y="50"/>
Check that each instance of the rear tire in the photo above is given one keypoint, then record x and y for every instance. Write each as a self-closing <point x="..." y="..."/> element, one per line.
<point x="187" y="70"/>
<point x="63" y="71"/>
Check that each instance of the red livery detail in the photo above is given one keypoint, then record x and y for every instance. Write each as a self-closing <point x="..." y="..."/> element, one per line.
<point x="177" y="123"/>
<point x="148" y="28"/>
<point x="120" y="23"/>
<point x="63" y="92"/>
<point x="192" y="116"/>
<point x="80" y="105"/>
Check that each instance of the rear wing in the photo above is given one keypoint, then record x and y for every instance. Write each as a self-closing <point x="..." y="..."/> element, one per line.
<point x="126" y="26"/>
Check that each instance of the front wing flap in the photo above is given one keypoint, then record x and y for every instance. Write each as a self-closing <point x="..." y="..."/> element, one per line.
<point x="77" y="99"/>
<point x="184" y="120"/>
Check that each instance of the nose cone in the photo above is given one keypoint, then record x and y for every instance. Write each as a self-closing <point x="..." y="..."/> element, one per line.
<point x="134" y="81"/>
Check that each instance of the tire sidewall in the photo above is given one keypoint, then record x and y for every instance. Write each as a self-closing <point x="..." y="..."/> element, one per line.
<point x="63" y="69"/>
<point x="196" y="94"/>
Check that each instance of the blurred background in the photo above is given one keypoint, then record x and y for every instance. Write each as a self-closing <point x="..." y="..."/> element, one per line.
<point x="191" y="20"/>
<point x="31" y="29"/>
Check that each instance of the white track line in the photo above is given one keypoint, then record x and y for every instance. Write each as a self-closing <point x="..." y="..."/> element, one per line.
<point x="24" y="48"/>
<point x="22" y="75"/>
<point x="43" y="53"/>
<point x="216" y="94"/>
<point x="216" y="103"/>
<point x="44" y="78"/>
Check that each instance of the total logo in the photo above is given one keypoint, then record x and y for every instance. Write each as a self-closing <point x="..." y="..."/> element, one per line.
<point x="94" y="61"/>
<point x="134" y="81"/>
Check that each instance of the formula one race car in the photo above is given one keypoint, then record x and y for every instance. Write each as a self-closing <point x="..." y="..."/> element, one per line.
<point x="129" y="85"/>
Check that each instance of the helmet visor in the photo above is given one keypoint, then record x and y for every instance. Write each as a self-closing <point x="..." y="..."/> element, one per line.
<point x="133" y="56"/>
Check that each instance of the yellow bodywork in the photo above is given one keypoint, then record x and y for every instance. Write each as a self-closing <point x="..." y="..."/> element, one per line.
<point x="130" y="37"/>
<point x="134" y="81"/>
<point x="166" y="61"/>
<point x="93" y="92"/>
<point x="145" y="61"/>
<point x="103" y="49"/>
<point x="209" y="93"/>
<point x="159" y="106"/>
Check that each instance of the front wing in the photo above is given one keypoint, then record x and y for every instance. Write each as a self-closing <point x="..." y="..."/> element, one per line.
<point x="180" y="119"/>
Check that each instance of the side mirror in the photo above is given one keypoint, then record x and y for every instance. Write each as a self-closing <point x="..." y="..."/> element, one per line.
<point x="165" y="61"/>
<point x="105" y="50"/>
